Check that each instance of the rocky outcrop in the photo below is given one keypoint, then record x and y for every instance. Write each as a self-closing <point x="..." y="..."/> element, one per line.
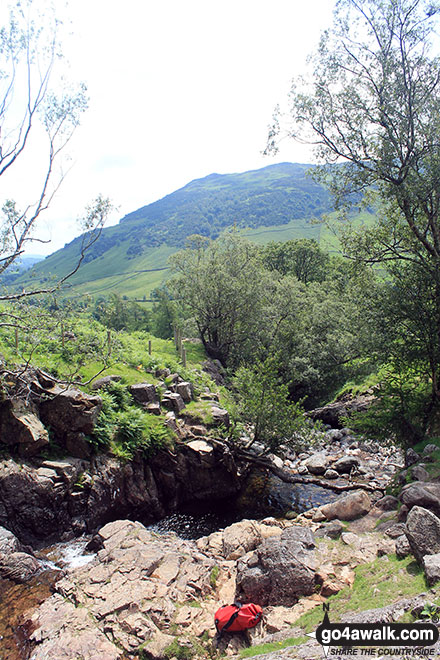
<point x="74" y="496"/>
<point x="17" y="562"/>
<point x="334" y="414"/>
<point x="21" y="429"/>
<point x="141" y="591"/>
<point x="280" y="570"/>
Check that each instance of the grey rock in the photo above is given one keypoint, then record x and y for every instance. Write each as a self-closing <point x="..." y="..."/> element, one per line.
<point x="144" y="393"/>
<point x="18" y="566"/>
<point x="424" y="494"/>
<point x="429" y="449"/>
<point x="345" y="464"/>
<point x="185" y="390"/>
<point x="317" y="464"/>
<point x="71" y="411"/>
<point x="101" y="383"/>
<point x="431" y="565"/>
<point x="411" y="457"/>
<point x="419" y="473"/>
<point x="332" y="530"/>
<point x="403" y="548"/>
<point x="331" y="474"/>
<point x="285" y="569"/>
<point x="21" y="429"/>
<point x="351" y="506"/>
<point x="423" y="532"/>
<point x="396" y="530"/>
<point x="387" y="503"/>
<point x="220" y="417"/>
<point x="173" y="401"/>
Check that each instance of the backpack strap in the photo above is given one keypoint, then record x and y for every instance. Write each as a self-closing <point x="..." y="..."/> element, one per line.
<point x="229" y="623"/>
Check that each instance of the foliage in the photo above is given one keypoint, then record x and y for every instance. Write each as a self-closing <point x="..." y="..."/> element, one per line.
<point x="263" y="402"/>
<point x="372" y="108"/>
<point x="121" y="314"/>
<point x="302" y="258"/>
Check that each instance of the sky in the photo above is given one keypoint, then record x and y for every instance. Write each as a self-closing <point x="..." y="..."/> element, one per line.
<point x="177" y="89"/>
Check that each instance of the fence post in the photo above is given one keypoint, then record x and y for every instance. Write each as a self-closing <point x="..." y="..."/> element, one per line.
<point x="62" y="335"/>
<point x="184" y="357"/>
<point x="16" y="340"/>
<point x="149" y="347"/>
<point x="109" y="341"/>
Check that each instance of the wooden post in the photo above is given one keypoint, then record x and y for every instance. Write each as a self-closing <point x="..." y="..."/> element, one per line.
<point x="16" y="340"/>
<point x="62" y="335"/>
<point x="184" y="357"/>
<point x="109" y="341"/>
<point x="149" y="347"/>
<point x="179" y="348"/>
<point x="176" y="340"/>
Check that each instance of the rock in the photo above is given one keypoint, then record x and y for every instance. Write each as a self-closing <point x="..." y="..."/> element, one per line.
<point x="396" y="530"/>
<point x="173" y="401"/>
<point x="18" y="566"/>
<point x="334" y="413"/>
<point x="423" y="532"/>
<point x="331" y="530"/>
<point x="215" y="370"/>
<point x="429" y="449"/>
<point x="185" y="390"/>
<point x="402" y="546"/>
<point x="280" y="570"/>
<point x="240" y="538"/>
<point x="71" y="411"/>
<point x="351" y="506"/>
<point x="387" y="503"/>
<point x="200" y="446"/>
<point x="317" y="464"/>
<point x="431" y="565"/>
<point x="77" y="445"/>
<point x="101" y="383"/>
<point x="426" y="495"/>
<point x="21" y="429"/>
<point x="9" y="543"/>
<point x="153" y="408"/>
<point x="220" y="417"/>
<point x="331" y="474"/>
<point x="345" y="464"/>
<point x="411" y="457"/>
<point x="419" y="473"/>
<point x="144" y="393"/>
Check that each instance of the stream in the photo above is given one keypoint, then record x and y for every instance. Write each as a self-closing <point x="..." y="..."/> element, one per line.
<point x="264" y="495"/>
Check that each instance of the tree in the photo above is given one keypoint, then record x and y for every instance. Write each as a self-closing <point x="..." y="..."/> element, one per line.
<point x="372" y="109"/>
<point x="301" y="257"/>
<point x="263" y="402"/>
<point x="218" y="283"/>
<point x="35" y="103"/>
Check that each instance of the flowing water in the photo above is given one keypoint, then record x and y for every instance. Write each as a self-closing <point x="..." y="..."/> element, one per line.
<point x="264" y="495"/>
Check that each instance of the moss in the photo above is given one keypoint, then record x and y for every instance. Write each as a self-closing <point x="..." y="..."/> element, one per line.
<point x="213" y="577"/>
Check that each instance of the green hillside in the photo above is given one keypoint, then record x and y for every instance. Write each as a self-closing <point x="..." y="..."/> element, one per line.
<point x="278" y="202"/>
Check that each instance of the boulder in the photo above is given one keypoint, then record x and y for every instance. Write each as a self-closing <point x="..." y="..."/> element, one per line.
<point x="351" y="506"/>
<point x="173" y="401"/>
<point x="280" y="570"/>
<point x="240" y="538"/>
<point x="345" y="464"/>
<point x="331" y="474"/>
<point x="20" y="428"/>
<point x="431" y="565"/>
<point x="71" y="411"/>
<point x="185" y="390"/>
<point x="18" y="566"/>
<point x="220" y="417"/>
<point x="423" y="494"/>
<point x="317" y="464"/>
<point x="387" y="503"/>
<point x="9" y="542"/>
<point x="101" y="383"/>
<point x="402" y="547"/>
<point x="423" y="532"/>
<point x="334" y="413"/>
<point x="144" y="393"/>
<point x="332" y="530"/>
<point x="419" y="473"/>
<point x="411" y="457"/>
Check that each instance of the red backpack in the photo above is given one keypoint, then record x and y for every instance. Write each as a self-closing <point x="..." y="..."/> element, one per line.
<point x="237" y="617"/>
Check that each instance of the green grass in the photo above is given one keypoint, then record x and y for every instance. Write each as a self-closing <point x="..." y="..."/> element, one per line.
<point x="259" y="649"/>
<point x="377" y="584"/>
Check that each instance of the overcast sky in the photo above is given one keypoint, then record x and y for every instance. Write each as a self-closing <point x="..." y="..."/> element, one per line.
<point x="178" y="89"/>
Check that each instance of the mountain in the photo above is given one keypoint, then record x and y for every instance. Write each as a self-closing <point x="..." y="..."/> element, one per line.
<point x="274" y="203"/>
